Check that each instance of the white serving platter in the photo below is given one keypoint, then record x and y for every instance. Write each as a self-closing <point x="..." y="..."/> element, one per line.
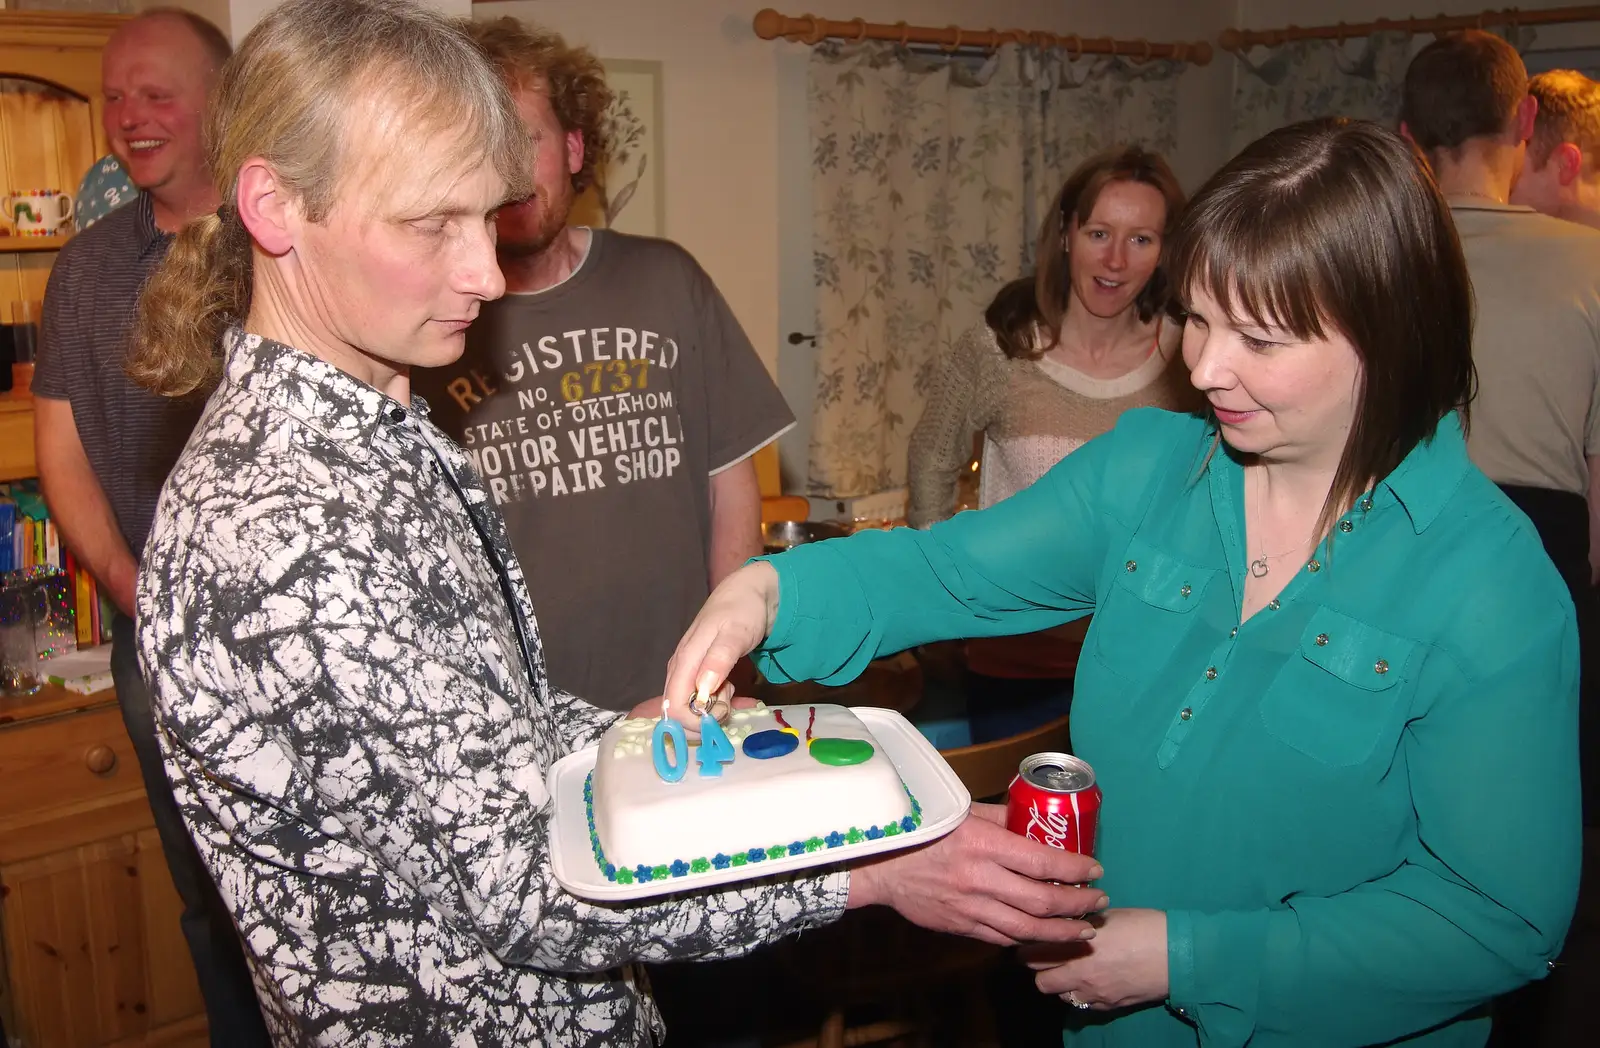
<point x="943" y="798"/>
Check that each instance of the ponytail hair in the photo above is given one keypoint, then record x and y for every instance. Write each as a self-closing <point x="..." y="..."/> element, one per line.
<point x="199" y="291"/>
<point x="323" y="91"/>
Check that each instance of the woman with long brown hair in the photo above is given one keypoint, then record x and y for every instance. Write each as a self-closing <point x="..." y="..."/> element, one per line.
<point x="1061" y="353"/>
<point x="1330" y="689"/>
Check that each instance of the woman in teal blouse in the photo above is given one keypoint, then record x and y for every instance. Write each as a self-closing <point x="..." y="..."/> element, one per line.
<point x="1330" y="688"/>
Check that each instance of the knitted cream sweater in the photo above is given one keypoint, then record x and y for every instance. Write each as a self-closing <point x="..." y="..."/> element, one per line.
<point x="1032" y="413"/>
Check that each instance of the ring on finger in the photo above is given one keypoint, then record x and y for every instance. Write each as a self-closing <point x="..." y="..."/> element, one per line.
<point x="1072" y="999"/>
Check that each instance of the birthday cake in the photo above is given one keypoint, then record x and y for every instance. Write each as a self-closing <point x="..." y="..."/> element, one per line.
<point x="775" y="781"/>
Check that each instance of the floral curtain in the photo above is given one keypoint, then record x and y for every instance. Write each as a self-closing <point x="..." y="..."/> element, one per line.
<point x="929" y="177"/>
<point x="1312" y="78"/>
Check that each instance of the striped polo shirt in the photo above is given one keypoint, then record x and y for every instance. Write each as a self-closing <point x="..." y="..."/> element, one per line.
<point x="131" y="436"/>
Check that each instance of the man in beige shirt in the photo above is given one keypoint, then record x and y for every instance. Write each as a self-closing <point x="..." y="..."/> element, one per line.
<point x="1561" y="175"/>
<point x="1536" y="419"/>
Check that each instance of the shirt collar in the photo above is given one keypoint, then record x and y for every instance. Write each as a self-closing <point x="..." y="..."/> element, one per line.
<point x="309" y="389"/>
<point x="1427" y="477"/>
<point x="1474" y="203"/>
<point x="149" y="232"/>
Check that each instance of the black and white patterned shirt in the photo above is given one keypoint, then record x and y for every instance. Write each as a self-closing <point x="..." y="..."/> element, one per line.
<point x="356" y="720"/>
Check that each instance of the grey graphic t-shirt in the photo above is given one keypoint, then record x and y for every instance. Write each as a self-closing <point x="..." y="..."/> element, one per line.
<point x="596" y="412"/>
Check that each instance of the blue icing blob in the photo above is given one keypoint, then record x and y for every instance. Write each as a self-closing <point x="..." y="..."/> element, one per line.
<point x="765" y="745"/>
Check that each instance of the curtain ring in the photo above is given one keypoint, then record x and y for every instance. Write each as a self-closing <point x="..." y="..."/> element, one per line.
<point x="905" y="33"/>
<point x="1074" y="45"/>
<point x="1146" y="56"/>
<point x="816" y="32"/>
<point x="953" y="48"/>
<point x="861" y="28"/>
<point x="995" y="42"/>
<point x="1338" y="34"/>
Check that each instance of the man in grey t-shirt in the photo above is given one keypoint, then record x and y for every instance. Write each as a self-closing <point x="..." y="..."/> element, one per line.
<point x="611" y="403"/>
<point x="105" y="446"/>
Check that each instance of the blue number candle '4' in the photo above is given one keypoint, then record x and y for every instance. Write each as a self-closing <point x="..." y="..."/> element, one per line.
<point x="667" y="728"/>
<point x="715" y="749"/>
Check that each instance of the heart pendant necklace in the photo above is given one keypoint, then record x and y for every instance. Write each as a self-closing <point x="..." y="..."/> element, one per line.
<point x="1259" y="566"/>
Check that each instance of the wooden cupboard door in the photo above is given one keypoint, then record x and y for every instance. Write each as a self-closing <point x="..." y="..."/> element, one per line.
<point x="16" y="434"/>
<point x="47" y="138"/>
<point x="94" y="950"/>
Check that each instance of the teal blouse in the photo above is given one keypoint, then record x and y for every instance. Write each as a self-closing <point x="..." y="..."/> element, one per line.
<point x="1359" y="809"/>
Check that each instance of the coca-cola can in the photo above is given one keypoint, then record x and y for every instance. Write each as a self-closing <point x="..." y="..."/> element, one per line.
<point x="1054" y="800"/>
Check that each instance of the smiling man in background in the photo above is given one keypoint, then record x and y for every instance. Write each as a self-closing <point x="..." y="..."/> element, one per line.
<point x="106" y="445"/>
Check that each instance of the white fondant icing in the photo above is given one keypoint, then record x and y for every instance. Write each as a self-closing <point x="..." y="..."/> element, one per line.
<point x="753" y="803"/>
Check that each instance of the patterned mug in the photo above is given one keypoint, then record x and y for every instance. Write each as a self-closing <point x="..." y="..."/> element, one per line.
<point x="38" y="212"/>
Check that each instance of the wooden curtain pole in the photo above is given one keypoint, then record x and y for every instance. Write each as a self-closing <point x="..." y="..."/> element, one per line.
<point x="1244" y="39"/>
<point x="809" y="29"/>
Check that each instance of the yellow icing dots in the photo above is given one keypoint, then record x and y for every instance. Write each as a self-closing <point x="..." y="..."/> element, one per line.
<point x="633" y="738"/>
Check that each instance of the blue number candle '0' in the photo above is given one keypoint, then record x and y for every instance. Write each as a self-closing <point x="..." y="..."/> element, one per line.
<point x="715" y="749"/>
<point x="667" y="728"/>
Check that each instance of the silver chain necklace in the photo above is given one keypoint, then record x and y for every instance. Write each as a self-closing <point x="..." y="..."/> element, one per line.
<point x="1259" y="567"/>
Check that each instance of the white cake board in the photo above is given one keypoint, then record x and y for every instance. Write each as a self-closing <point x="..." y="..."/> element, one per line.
<point x="943" y="798"/>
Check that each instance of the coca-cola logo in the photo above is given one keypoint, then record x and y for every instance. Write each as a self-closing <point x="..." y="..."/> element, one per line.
<point x="1052" y="826"/>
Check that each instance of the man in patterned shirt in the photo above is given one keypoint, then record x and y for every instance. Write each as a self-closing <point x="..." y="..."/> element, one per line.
<point x="347" y="670"/>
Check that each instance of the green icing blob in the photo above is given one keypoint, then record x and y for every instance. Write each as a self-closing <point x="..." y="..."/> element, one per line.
<point x="841" y="752"/>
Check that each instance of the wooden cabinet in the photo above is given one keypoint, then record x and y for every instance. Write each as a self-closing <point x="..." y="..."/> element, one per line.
<point x="50" y="127"/>
<point x="16" y="438"/>
<point x="93" y="954"/>
<point x="50" y="134"/>
<point x="92" y="951"/>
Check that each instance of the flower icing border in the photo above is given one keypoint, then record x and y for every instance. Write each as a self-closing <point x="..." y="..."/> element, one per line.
<point x="641" y="873"/>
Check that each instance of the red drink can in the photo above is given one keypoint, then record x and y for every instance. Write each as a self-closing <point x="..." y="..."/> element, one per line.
<point x="1054" y="800"/>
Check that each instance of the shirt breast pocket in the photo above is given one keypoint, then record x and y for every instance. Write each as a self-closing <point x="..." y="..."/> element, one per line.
<point x="1340" y="692"/>
<point x="1150" y="605"/>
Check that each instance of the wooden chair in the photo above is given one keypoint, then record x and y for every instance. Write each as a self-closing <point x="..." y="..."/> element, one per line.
<point x="893" y="682"/>
<point x="987" y="768"/>
<point x="875" y="958"/>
